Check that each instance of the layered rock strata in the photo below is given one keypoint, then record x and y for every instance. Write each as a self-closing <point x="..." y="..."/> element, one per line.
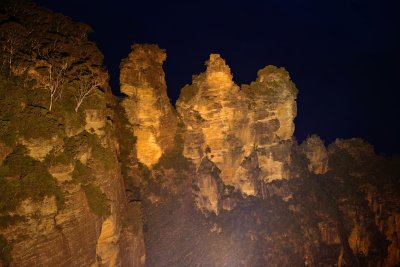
<point x="62" y="194"/>
<point x="147" y="105"/>
<point x="250" y="192"/>
<point x="239" y="130"/>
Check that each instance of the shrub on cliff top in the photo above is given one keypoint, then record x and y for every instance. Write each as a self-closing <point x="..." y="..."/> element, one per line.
<point x="21" y="114"/>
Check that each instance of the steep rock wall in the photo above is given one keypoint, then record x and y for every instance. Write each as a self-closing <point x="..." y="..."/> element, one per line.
<point x="85" y="229"/>
<point x="231" y="126"/>
<point x="237" y="190"/>
<point x="62" y="195"/>
<point x="147" y="105"/>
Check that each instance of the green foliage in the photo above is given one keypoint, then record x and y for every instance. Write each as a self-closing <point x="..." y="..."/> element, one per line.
<point x="99" y="152"/>
<point x="34" y="38"/>
<point x="5" y="251"/>
<point x="66" y="110"/>
<point x="66" y="155"/>
<point x="126" y="141"/>
<point x="73" y="145"/>
<point x="37" y="122"/>
<point x="7" y="220"/>
<point x="22" y="114"/>
<point x="74" y="120"/>
<point x="10" y="98"/>
<point x="54" y="158"/>
<point x="95" y="101"/>
<point x="97" y="200"/>
<point x="82" y="174"/>
<point x="23" y="178"/>
<point x="4" y="171"/>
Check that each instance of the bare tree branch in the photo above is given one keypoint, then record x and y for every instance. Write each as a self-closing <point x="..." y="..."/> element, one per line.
<point x="89" y="79"/>
<point x="52" y="77"/>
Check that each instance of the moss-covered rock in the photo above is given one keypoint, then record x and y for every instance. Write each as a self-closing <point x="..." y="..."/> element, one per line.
<point x="23" y="177"/>
<point x="97" y="200"/>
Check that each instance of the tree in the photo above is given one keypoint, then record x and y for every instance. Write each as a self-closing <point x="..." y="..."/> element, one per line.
<point x="89" y="78"/>
<point x="49" y="49"/>
<point x="12" y="39"/>
<point x="52" y="77"/>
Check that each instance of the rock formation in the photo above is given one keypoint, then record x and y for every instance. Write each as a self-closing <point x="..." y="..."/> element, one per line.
<point x="258" y="197"/>
<point x="62" y="195"/>
<point x="246" y="133"/>
<point x="220" y="181"/>
<point x="147" y="105"/>
<point x="316" y="153"/>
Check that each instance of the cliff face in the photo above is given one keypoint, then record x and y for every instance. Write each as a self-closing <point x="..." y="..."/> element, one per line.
<point x="63" y="202"/>
<point x="90" y="180"/>
<point x="147" y="105"/>
<point x="245" y="133"/>
<point x="235" y="188"/>
<point x="62" y="195"/>
<point x="316" y="153"/>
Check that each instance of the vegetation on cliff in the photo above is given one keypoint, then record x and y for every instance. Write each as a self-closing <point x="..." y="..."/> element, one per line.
<point x="59" y="141"/>
<point x="97" y="200"/>
<point x="174" y="158"/>
<point x="23" y="177"/>
<point x="56" y="143"/>
<point x="51" y="52"/>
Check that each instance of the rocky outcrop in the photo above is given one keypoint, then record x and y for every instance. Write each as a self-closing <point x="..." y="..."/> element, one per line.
<point x="147" y="105"/>
<point x="209" y="187"/>
<point x="219" y="182"/>
<point x="256" y="196"/>
<point x="85" y="229"/>
<point x="214" y="112"/>
<point x="314" y="149"/>
<point x="239" y="130"/>
<point x="62" y="194"/>
<point x="273" y="97"/>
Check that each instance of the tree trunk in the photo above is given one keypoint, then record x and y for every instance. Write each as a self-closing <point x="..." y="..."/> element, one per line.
<point x="51" y="101"/>
<point x="78" y="104"/>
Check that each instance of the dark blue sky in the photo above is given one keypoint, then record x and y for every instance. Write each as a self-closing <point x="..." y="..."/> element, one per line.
<point x="343" y="55"/>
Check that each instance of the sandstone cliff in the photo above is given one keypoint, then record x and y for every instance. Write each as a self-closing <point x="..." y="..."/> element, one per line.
<point x="236" y="189"/>
<point x="62" y="195"/>
<point x="66" y="195"/>
<point x="246" y="133"/>
<point x="87" y="179"/>
<point x="147" y="105"/>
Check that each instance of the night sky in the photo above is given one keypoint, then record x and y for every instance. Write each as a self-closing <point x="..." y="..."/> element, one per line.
<point x="343" y="55"/>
